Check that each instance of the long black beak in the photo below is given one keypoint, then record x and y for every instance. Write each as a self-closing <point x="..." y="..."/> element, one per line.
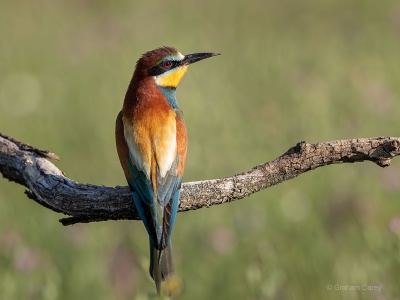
<point x="192" y="58"/>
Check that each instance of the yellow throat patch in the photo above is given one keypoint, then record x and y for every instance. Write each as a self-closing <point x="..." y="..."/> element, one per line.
<point x="171" y="78"/>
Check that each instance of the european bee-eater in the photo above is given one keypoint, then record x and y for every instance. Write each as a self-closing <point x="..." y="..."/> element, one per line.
<point x="151" y="143"/>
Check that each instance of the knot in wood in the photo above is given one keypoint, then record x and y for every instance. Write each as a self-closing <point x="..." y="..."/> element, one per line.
<point x="394" y="146"/>
<point x="300" y="148"/>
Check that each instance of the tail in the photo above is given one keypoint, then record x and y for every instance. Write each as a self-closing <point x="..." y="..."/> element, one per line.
<point x="161" y="265"/>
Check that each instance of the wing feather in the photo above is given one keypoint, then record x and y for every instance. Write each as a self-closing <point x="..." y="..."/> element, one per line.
<point x="156" y="202"/>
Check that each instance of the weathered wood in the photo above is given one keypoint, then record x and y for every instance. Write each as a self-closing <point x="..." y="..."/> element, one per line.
<point x="49" y="187"/>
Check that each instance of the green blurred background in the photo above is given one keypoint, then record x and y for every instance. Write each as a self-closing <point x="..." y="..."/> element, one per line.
<point x="290" y="71"/>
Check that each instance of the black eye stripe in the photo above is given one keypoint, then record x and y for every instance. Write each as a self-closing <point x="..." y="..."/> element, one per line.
<point x="173" y="63"/>
<point x="159" y="69"/>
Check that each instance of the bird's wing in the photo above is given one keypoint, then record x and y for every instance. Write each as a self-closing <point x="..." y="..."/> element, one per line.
<point x="139" y="184"/>
<point x="169" y="187"/>
<point x="153" y="178"/>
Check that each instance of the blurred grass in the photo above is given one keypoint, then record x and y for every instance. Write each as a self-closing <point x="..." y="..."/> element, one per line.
<point x="290" y="71"/>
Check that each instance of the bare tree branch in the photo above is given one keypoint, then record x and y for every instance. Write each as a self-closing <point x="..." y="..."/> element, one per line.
<point x="49" y="187"/>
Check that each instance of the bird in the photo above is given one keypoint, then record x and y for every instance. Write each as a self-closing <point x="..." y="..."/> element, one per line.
<point x="151" y="141"/>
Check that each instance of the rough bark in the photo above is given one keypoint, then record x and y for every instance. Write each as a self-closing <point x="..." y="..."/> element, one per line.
<point x="48" y="186"/>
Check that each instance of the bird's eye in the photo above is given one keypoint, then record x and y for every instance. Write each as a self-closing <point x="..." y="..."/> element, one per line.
<point x="167" y="64"/>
